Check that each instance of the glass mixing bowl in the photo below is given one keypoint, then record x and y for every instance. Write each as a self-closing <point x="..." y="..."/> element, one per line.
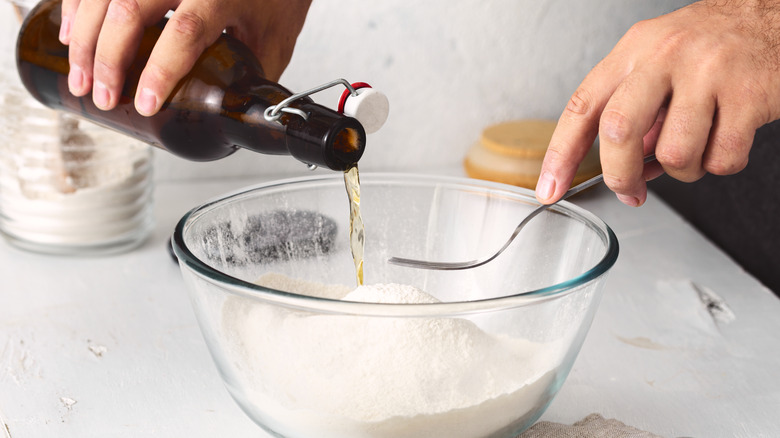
<point x="484" y="358"/>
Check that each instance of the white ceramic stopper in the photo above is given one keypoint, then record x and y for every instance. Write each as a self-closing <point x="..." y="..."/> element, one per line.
<point x="369" y="107"/>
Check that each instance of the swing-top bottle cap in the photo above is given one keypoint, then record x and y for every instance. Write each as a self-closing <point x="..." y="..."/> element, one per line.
<point x="369" y="106"/>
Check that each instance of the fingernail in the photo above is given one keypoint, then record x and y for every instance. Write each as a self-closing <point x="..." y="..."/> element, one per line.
<point x="147" y="102"/>
<point x="628" y="200"/>
<point x="546" y="186"/>
<point x="75" y="79"/>
<point x="65" y="30"/>
<point x="100" y="95"/>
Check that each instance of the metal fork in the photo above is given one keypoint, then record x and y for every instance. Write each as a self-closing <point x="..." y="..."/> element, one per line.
<point x="455" y="266"/>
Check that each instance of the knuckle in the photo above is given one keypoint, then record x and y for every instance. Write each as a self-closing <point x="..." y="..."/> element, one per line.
<point x="556" y="156"/>
<point x="105" y="67"/>
<point x="732" y="143"/>
<point x="674" y="158"/>
<point x="754" y="93"/>
<point x="617" y="183"/>
<point x="188" y="25"/>
<point x="554" y="152"/>
<point x="160" y="74"/>
<point x="77" y="45"/>
<point x="580" y="103"/>
<point x="729" y="154"/>
<point x="720" y="54"/>
<point x="670" y="44"/>
<point x="664" y="40"/>
<point x="124" y="11"/>
<point x="78" y="52"/>
<point x="639" y="30"/>
<point x="718" y="166"/>
<point x="615" y="126"/>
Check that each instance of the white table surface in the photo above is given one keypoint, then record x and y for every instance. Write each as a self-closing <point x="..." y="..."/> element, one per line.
<point x="103" y="347"/>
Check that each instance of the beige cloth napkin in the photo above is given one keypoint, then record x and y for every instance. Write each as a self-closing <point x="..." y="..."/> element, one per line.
<point x="592" y="426"/>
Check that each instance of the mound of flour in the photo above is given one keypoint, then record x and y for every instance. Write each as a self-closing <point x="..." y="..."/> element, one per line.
<point x="335" y="375"/>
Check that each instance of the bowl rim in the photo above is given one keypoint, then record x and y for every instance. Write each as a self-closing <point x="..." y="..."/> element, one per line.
<point x="240" y="287"/>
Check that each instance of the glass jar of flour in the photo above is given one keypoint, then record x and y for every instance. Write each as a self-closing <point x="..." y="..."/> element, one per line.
<point x="67" y="186"/>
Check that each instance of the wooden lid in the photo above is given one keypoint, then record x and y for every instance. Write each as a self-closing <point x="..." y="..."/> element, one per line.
<point x="512" y="153"/>
<point x="519" y="138"/>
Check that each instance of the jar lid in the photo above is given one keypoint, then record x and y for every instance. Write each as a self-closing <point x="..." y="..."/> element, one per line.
<point x="512" y="153"/>
<point x="519" y="138"/>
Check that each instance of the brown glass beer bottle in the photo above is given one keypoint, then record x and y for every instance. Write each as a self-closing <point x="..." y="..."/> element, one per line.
<point x="215" y="110"/>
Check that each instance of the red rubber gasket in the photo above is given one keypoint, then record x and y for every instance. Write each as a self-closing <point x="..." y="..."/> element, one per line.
<point x="345" y="94"/>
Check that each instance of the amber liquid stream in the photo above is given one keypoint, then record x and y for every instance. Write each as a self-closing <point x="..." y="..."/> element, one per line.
<point x="357" y="234"/>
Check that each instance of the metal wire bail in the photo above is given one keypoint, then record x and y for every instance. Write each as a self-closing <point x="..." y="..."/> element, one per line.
<point x="274" y="112"/>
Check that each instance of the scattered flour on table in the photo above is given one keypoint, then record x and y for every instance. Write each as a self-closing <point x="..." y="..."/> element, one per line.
<point x="342" y="376"/>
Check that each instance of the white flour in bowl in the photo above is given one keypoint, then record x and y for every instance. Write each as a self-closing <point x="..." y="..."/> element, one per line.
<point x="340" y="376"/>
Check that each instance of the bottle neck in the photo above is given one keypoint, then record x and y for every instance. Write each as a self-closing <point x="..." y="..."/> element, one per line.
<point x="326" y="138"/>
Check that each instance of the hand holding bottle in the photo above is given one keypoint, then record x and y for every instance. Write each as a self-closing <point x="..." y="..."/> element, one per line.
<point x="103" y="37"/>
<point x="217" y="107"/>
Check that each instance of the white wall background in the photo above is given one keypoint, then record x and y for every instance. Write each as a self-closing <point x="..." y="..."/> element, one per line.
<point x="449" y="68"/>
